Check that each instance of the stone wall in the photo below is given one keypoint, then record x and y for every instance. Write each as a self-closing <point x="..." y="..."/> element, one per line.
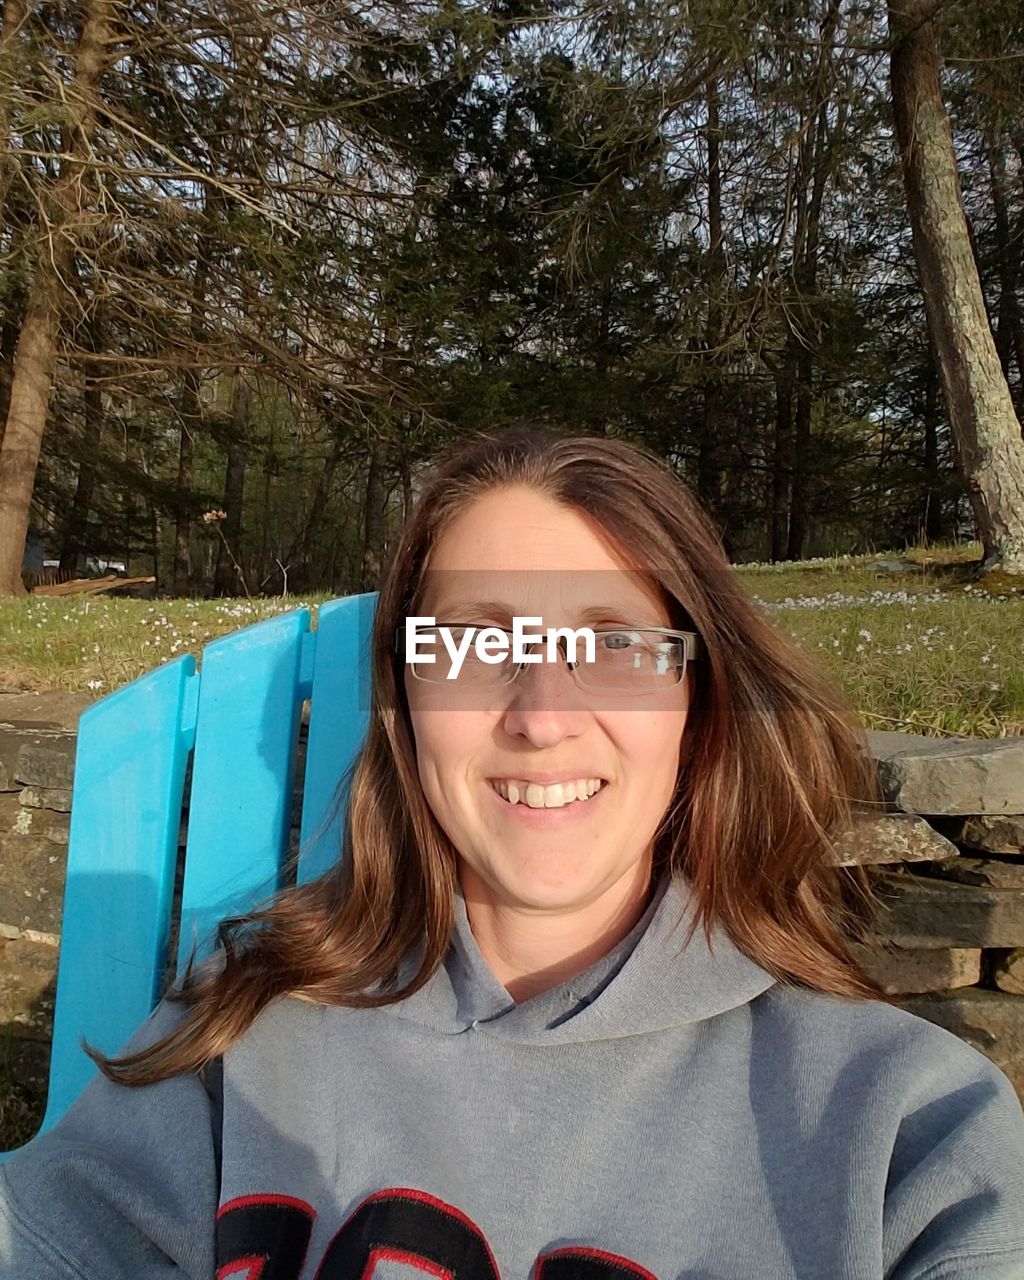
<point x="947" y="861"/>
<point x="36" y="765"/>
<point x="949" y="940"/>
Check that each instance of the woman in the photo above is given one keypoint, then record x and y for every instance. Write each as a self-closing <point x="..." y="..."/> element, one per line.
<point x="576" y="1001"/>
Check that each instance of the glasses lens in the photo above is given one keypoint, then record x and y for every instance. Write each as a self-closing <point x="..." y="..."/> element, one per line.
<point x="632" y="661"/>
<point x="625" y="661"/>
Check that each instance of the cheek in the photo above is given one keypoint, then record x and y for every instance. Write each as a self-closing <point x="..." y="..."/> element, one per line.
<point x="656" y="743"/>
<point x="445" y="742"/>
<point x="657" y="736"/>
<point x="671" y="741"/>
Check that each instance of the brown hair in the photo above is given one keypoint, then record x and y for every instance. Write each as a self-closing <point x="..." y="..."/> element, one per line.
<point x="773" y="774"/>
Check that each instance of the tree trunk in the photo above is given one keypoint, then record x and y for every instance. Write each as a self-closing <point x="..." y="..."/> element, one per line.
<point x="815" y="167"/>
<point x="977" y="398"/>
<point x="26" y="420"/>
<point x="301" y="553"/>
<point x="405" y="472"/>
<point x="602" y="360"/>
<point x="154" y="543"/>
<point x="10" y="328"/>
<point x="36" y="355"/>
<point x="373" y="520"/>
<point x="782" y="457"/>
<point x="74" y="530"/>
<point x="1009" y="337"/>
<point x="801" y="456"/>
<point x="92" y="401"/>
<point x="182" y="575"/>
<point x="225" y="575"/>
<point x="12" y="20"/>
<point x="372" y="559"/>
<point x="270" y="469"/>
<point x="709" y="472"/>
<point x="933" y="522"/>
<point x="191" y="419"/>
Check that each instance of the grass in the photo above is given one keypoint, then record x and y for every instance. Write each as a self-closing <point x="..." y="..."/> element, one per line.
<point x="918" y="649"/>
<point x="98" y="643"/>
<point x="924" y="652"/>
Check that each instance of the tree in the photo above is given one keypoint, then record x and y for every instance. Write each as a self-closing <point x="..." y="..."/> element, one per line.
<point x="977" y="396"/>
<point x="36" y="353"/>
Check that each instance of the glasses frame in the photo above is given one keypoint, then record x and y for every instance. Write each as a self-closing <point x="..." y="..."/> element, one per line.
<point x="693" y="651"/>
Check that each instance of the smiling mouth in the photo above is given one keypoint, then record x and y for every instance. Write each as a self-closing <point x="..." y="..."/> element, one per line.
<point x="555" y="796"/>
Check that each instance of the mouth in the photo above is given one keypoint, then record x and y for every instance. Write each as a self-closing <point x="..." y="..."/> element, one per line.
<point x="521" y="793"/>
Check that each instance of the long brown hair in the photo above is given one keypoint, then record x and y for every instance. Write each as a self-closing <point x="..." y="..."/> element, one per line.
<point x="773" y="774"/>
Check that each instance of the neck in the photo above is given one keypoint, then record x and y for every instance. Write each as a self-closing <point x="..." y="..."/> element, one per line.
<point x="530" y="950"/>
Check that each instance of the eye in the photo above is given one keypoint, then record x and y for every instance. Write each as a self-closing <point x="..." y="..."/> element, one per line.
<point x="620" y="640"/>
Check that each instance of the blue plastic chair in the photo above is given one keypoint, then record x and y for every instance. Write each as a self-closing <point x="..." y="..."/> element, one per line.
<point x="237" y="720"/>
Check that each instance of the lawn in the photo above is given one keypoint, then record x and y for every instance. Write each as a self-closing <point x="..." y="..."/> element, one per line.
<point x="921" y="649"/>
<point x="912" y="642"/>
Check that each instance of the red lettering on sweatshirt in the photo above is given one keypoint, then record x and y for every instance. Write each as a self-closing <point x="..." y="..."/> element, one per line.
<point x="263" y="1238"/>
<point x="266" y="1238"/>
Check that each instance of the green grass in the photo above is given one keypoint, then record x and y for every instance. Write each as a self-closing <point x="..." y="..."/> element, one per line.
<point x="98" y="643"/>
<point x="921" y="649"/>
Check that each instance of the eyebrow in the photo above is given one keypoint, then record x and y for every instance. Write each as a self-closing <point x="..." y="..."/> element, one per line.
<point x="466" y="610"/>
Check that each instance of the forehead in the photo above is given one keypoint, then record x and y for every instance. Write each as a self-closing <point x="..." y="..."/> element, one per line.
<point x="558" y="596"/>
<point x="520" y="529"/>
<point x="516" y="552"/>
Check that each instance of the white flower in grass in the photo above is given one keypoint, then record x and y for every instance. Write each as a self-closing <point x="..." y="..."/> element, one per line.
<point x="94" y="684"/>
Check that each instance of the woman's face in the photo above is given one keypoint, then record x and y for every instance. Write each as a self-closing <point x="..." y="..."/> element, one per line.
<point x="518" y="548"/>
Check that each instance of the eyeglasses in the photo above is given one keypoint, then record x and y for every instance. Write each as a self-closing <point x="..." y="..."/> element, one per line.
<point x="634" y="660"/>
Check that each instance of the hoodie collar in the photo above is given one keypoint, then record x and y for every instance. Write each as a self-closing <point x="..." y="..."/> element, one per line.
<point x="647" y="982"/>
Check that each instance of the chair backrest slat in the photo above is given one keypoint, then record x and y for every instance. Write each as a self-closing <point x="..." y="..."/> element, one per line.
<point x="242" y="775"/>
<point x="131" y="760"/>
<point x="339" y="713"/>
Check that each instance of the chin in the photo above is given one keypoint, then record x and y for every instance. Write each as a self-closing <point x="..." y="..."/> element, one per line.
<point x="542" y="892"/>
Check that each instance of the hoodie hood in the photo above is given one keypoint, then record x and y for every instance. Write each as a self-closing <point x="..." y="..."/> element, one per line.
<point x="648" y="982"/>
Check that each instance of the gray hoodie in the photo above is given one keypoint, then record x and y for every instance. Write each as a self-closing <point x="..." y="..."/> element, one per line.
<point x="667" y="1114"/>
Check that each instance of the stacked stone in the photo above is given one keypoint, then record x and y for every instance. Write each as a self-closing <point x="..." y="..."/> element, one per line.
<point x="948" y="942"/>
<point x="36" y="766"/>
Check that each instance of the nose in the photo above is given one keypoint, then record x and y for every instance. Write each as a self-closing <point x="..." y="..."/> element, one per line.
<point x="546" y="704"/>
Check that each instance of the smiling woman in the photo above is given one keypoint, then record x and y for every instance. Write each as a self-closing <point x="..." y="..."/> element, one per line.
<point x="549" y="886"/>
<point x="577" y="1001"/>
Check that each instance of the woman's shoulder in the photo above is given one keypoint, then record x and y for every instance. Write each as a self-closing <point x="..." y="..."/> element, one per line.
<point x="886" y="1049"/>
<point x="942" y="1116"/>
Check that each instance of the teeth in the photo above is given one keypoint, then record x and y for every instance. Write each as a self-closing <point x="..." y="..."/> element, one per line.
<point x="556" y="796"/>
